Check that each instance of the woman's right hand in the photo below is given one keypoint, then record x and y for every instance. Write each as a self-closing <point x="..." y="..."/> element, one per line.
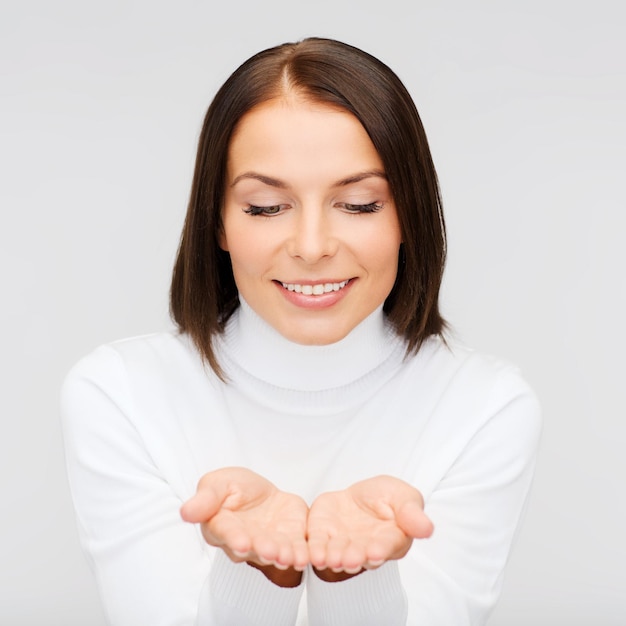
<point x="250" y="519"/>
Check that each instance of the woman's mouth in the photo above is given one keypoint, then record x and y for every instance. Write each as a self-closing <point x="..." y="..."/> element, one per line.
<point x="317" y="289"/>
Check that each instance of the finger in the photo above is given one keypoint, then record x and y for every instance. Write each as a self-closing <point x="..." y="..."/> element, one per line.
<point x="285" y="555"/>
<point x="234" y="557"/>
<point x="266" y="549"/>
<point x="391" y="545"/>
<point x="280" y="551"/>
<point x="335" y="552"/>
<point x="316" y="545"/>
<point x="354" y="557"/>
<point x="407" y="505"/>
<point x="212" y="491"/>
<point x="293" y="552"/>
<point x="300" y="554"/>
<point x="412" y="520"/>
<point x="202" y="506"/>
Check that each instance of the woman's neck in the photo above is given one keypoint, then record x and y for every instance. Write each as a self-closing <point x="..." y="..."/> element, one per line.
<point x="265" y="354"/>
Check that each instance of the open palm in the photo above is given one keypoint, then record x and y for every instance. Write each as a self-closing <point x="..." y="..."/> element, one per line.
<point x="363" y="526"/>
<point x="250" y="519"/>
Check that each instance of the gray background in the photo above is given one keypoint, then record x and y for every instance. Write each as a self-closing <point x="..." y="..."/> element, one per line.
<point x="524" y="106"/>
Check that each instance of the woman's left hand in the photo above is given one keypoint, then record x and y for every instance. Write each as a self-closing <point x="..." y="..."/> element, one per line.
<point x="363" y="526"/>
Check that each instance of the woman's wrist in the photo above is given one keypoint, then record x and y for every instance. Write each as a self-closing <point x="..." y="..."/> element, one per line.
<point x="289" y="577"/>
<point x="327" y="575"/>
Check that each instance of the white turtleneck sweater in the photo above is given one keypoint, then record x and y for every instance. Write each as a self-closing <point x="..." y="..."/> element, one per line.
<point x="144" y="419"/>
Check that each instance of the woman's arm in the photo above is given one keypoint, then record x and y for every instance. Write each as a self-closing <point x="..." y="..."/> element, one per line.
<point x="455" y="576"/>
<point x="477" y="508"/>
<point x="151" y="566"/>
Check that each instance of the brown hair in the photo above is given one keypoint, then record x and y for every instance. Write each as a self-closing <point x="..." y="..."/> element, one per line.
<point x="203" y="292"/>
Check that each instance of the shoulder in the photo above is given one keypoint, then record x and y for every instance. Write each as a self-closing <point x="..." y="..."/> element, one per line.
<point x="139" y="389"/>
<point x="471" y="386"/>
<point x="128" y="367"/>
<point x="469" y="405"/>
<point x="144" y="352"/>
<point x="454" y="364"/>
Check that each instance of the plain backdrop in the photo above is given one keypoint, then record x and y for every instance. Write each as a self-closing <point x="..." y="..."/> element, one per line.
<point x="524" y="104"/>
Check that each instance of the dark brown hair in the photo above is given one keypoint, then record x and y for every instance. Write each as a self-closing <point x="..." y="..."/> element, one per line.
<point x="203" y="293"/>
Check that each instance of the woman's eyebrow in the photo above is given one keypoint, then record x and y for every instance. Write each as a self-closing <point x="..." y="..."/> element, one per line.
<point x="356" y="178"/>
<point x="267" y="180"/>
<point x="275" y="182"/>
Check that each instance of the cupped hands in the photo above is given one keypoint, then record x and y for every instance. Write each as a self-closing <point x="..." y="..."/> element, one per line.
<point x="342" y="534"/>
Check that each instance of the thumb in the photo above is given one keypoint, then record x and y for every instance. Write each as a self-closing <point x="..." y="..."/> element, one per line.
<point x="204" y="504"/>
<point x="412" y="520"/>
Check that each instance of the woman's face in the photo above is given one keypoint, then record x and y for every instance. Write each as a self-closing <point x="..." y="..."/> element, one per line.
<point x="308" y="219"/>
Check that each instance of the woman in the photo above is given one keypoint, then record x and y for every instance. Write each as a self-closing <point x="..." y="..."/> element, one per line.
<point x="283" y="458"/>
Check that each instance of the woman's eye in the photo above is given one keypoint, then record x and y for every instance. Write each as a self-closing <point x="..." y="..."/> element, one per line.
<point x="264" y="210"/>
<point x="372" y="207"/>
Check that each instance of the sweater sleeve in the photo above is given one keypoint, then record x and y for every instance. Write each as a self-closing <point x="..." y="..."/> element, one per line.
<point x="373" y="598"/>
<point x="151" y="567"/>
<point x="476" y="463"/>
<point x="455" y="576"/>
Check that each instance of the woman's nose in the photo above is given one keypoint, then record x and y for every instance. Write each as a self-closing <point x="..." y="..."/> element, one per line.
<point x="312" y="239"/>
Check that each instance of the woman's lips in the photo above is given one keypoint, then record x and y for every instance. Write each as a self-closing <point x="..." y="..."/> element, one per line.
<point x="318" y="295"/>
<point x="315" y="289"/>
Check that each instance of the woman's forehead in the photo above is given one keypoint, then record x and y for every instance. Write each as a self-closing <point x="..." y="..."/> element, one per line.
<point x="288" y="138"/>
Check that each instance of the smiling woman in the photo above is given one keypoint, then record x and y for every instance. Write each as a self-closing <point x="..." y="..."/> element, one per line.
<point x="307" y="426"/>
<point x="349" y="81"/>
<point x="308" y="219"/>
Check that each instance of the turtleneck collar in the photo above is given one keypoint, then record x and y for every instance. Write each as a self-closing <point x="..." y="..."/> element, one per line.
<point x="263" y="353"/>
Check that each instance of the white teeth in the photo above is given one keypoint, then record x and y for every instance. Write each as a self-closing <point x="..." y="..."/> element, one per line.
<point x="315" y="290"/>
